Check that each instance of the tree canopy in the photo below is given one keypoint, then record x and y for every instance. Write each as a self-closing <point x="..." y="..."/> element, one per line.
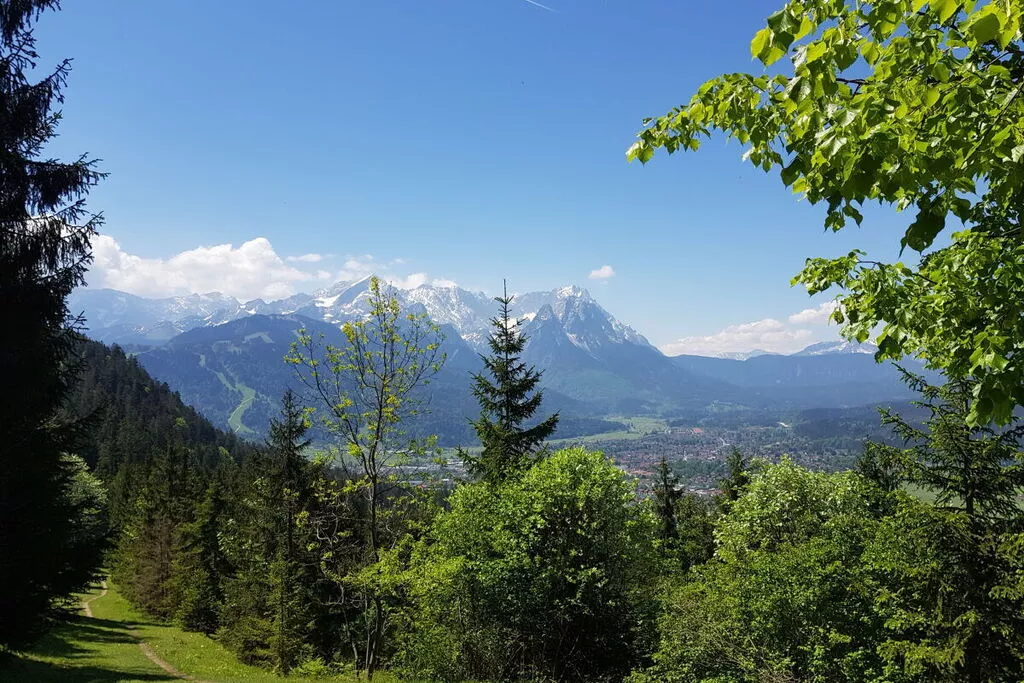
<point x="912" y="104"/>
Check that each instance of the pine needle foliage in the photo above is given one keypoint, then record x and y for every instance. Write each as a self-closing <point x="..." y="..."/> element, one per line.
<point x="44" y="250"/>
<point x="508" y="396"/>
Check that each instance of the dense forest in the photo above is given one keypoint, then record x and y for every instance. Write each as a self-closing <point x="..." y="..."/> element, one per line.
<point x="542" y="564"/>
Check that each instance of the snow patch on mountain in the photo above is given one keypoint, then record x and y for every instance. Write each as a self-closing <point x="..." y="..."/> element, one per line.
<point x="119" y="317"/>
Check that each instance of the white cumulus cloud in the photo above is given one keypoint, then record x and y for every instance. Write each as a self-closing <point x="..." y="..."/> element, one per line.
<point x="252" y="270"/>
<point x="602" y="273"/>
<point x="775" y="336"/>
<point x="306" y="258"/>
<point x="819" y="315"/>
<point x="768" y="335"/>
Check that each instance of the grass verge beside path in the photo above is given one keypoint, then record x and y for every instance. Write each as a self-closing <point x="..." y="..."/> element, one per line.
<point x="105" y="649"/>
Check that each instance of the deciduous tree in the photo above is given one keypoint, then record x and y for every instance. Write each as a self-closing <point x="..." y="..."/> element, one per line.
<point x="366" y="390"/>
<point x="908" y="103"/>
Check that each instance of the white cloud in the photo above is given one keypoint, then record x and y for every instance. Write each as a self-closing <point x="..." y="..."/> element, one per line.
<point x="800" y="330"/>
<point x="442" y="282"/>
<point x="252" y="270"/>
<point x="602" y="273"/>
<point x="306" y="258"/>
<point x="408" y="282"/>
<point x="768" y="335"/>
<point x="815" y="316"/>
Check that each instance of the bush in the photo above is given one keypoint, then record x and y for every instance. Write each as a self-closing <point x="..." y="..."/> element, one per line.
<point x="548" y="576"/>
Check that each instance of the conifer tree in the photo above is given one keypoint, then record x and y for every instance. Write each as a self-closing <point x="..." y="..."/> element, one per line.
<point x="44" y="250"/>
<point x="735" y="480"/>
<point x="953" y="616"/>
<point x="508" y="399"/>
<point x="685" y="521"/>
<point x="200" y="564"/>
<point x="291" y="483"/>
<point x="666" y="496"/>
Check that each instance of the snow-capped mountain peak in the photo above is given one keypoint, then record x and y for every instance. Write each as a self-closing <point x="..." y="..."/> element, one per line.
<point x="836" y="347"/>
<point x="120" y="317"/>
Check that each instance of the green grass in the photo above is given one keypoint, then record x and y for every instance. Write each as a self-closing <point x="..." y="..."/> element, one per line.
<point x="105" y="648"/>
<point x="235" y="419"/>
<point x="248" y="396"/>
<point x="637" y="428"/>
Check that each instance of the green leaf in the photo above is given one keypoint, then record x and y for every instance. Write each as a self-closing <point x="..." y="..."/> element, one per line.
<point x="945" y="8"/>
<point x="761" y="43"/>
<point x="814" y="52"/>
<point x="806" y="26"/>
<point x="870" y="51"/>
<point x="931" y="96"/>
<point x="923" y="230"/>
<point x="1010" y="32"/>
<point x="986" y="24"/>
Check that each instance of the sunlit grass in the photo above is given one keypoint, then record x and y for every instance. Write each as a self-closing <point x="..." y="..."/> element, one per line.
<point x="106" y="648"/>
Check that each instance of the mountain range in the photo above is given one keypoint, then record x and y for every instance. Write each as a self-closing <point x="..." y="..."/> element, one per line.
<point x="224" y="357"/>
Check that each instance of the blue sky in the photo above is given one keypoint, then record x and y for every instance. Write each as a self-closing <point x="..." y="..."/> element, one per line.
<point x="461" y="140"/>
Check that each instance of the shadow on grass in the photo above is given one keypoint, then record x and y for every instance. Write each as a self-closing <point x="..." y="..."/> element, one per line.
<point x="18" y="670"/>
<point x="67" y="640"/>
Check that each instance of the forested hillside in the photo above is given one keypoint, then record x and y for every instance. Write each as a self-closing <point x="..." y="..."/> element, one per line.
<point x="132" y="414"/>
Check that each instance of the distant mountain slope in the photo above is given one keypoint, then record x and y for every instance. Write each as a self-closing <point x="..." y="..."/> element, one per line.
<point x="225" y="357"/>
<point x="133" y="413"/>
<point x="118" y="317"/>
<point x="612" y="372"/>
<point x="235" y="374"/>
<point x="839" y="346"/>
<point x="808" y="380"/>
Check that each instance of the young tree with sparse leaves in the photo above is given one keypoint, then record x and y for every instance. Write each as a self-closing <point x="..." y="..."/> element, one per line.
<point x="366" y="390"/>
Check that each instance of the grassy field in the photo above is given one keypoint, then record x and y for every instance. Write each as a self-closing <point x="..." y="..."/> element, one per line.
<point x="105" y="648"/>
<point x="636" y="428"/>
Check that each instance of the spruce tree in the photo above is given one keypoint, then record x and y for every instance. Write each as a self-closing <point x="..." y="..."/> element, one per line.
<point x="291" y="483"/>
<point x="270" y="600"/>
<point x="666" y="497"/>
<point x="685" y="521"/>
<point x="735" y="480"/>
<point x="45" y="235"/>
<point x="954" y="615"/>
<point x="508" y="398"/>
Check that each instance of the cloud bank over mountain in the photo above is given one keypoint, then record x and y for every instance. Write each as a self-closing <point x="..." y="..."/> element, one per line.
<point x="771" y="335"/>
<point x="255" y="270"/>
<point x="252" y="270"/>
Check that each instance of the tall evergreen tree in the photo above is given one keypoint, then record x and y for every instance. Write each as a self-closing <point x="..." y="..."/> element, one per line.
<point x="270" y="601"/>
<point x="685" y="521"/>
<point x="735" y="480"/>
<point x="292" y="485"/>
<point x="45" y="234"/>
<point x="508" y="398"/>
<point x="666" y="496"/>
<point x="954" y="617"/>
